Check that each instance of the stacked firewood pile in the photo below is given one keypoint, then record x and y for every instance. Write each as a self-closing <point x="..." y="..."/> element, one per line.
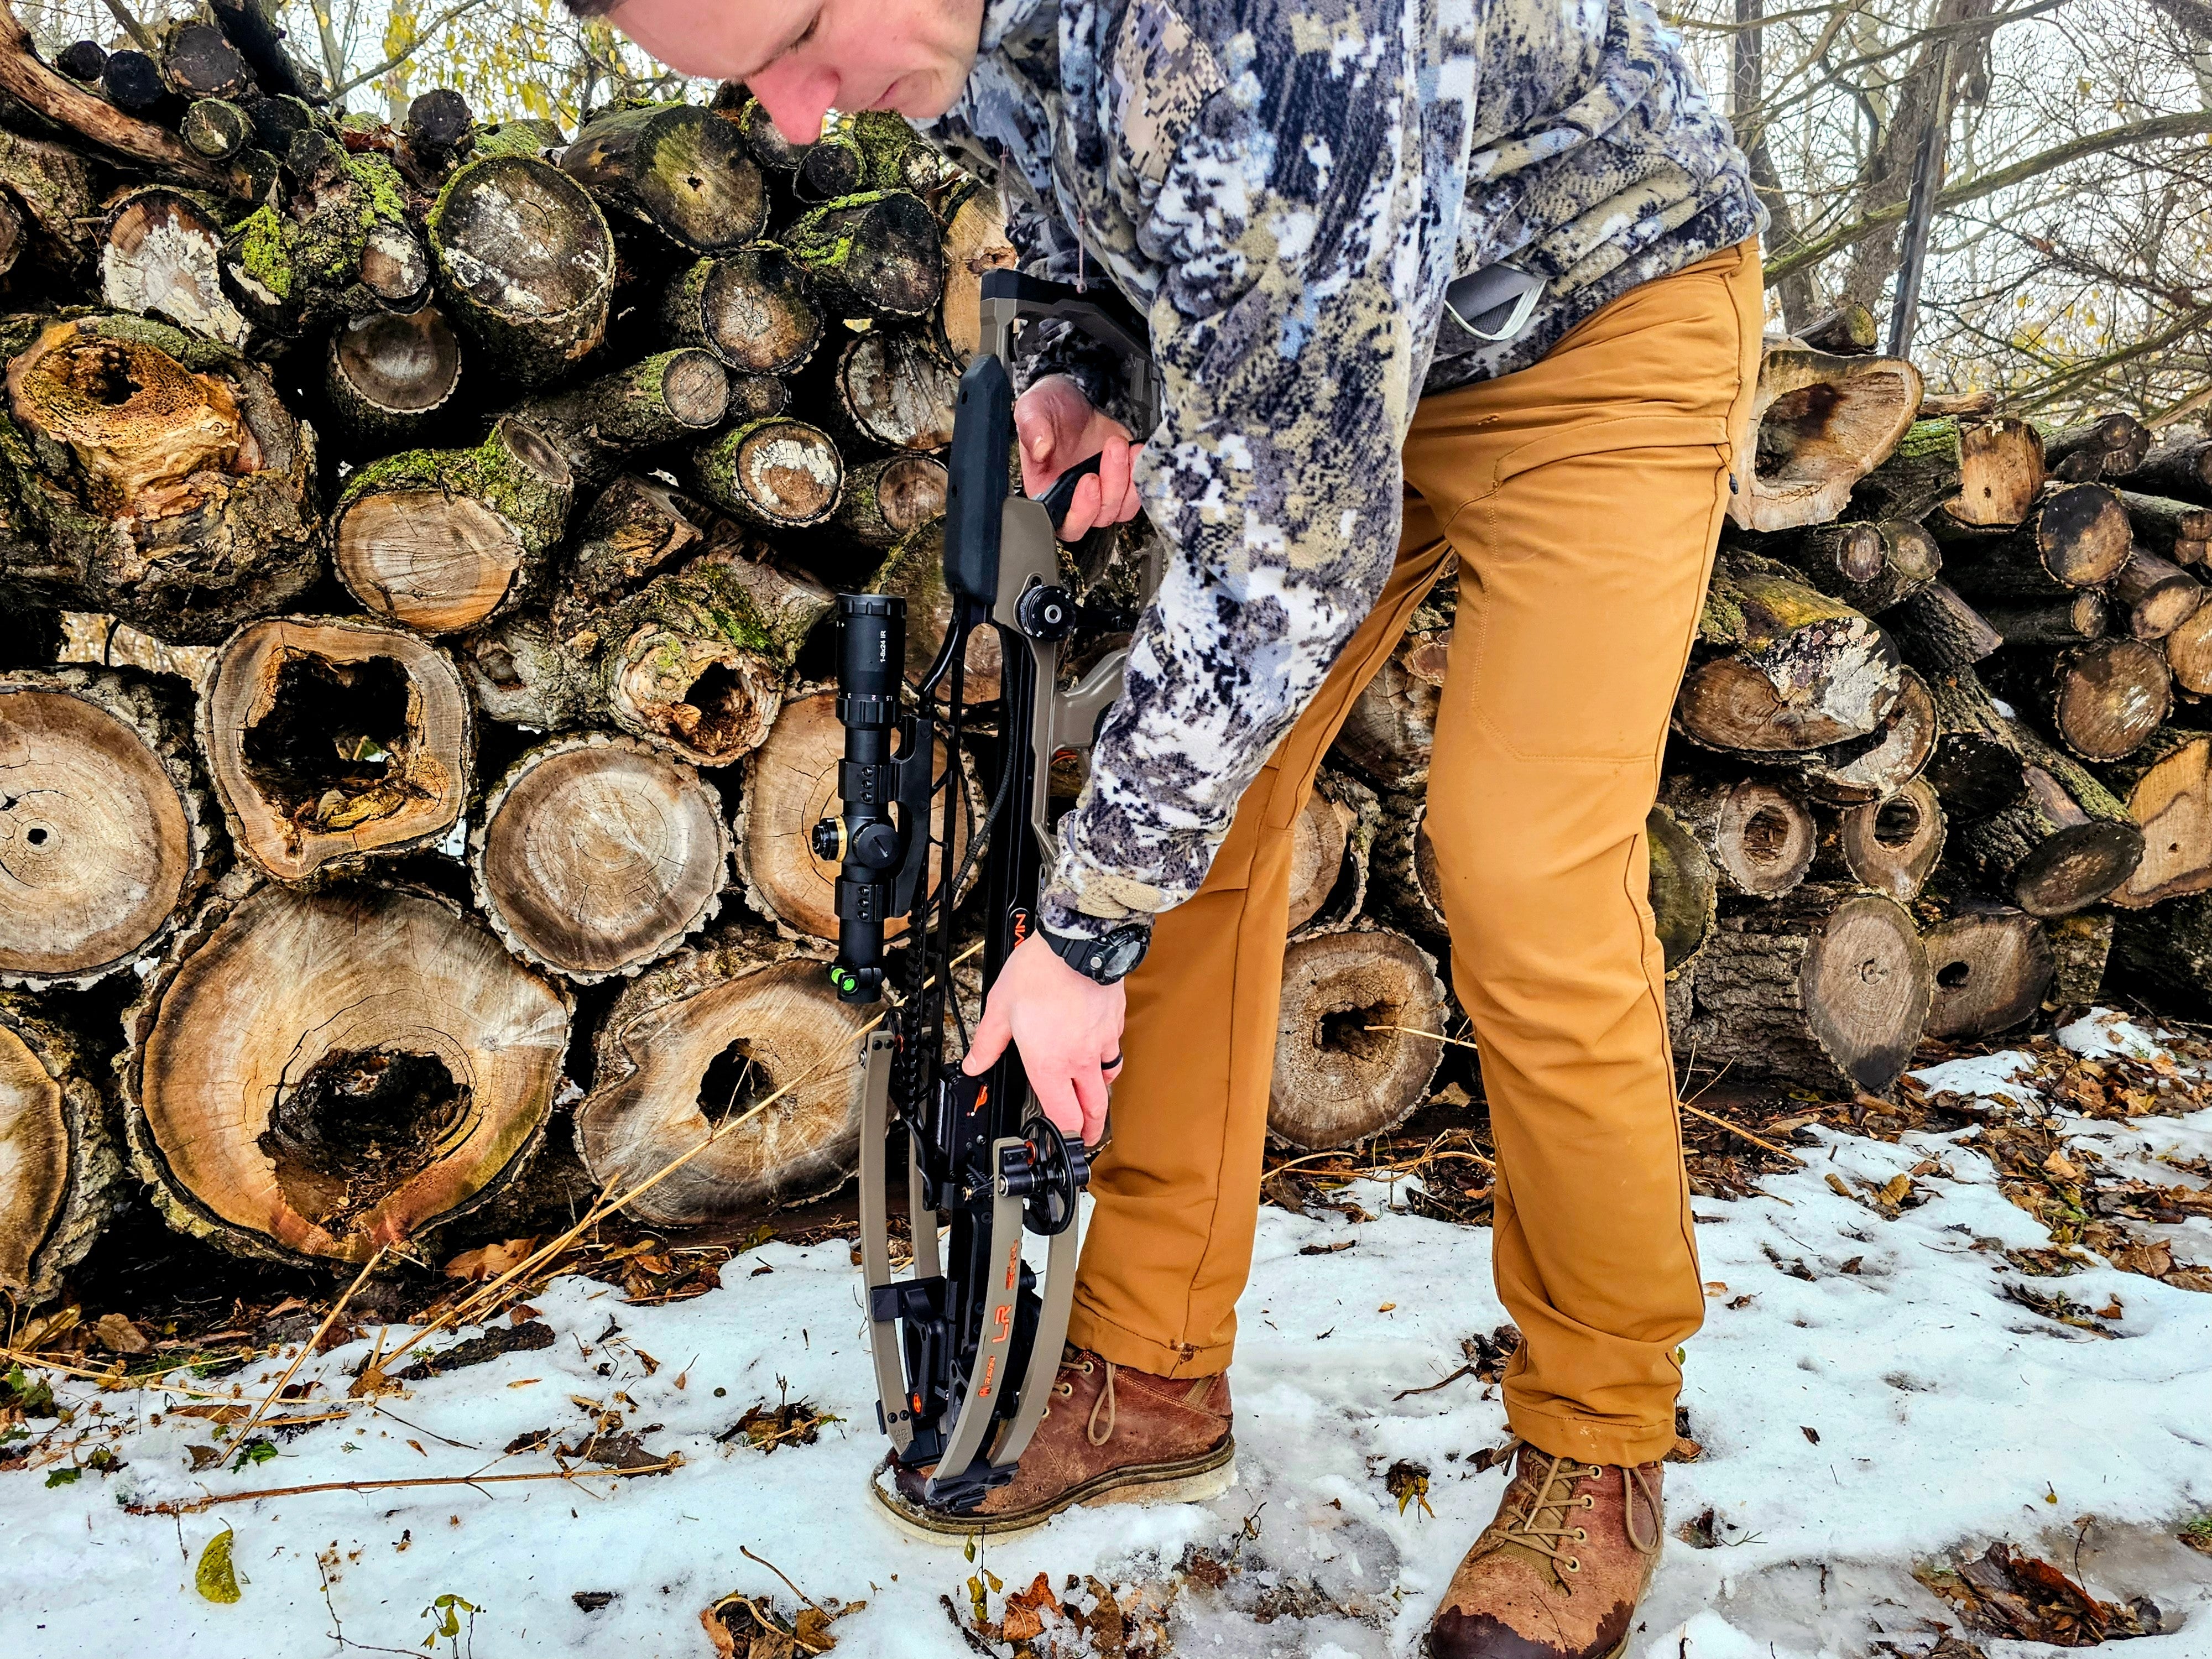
<point x="415" y="542"/>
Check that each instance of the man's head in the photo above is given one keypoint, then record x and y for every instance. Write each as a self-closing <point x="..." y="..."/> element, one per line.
<point x="804" y="58"/>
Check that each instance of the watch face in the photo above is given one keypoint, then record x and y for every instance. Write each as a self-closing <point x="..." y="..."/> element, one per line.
<point x="1114" y="957"/>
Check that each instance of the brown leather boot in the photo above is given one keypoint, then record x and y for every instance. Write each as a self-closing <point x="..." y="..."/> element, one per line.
<point x="1111" y="1434"/>
<point x="1558" y="1573"/>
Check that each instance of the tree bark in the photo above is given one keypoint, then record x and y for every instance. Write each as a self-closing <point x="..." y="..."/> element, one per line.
<point x="2103" y="699"/>
<point x="106" y="827"/>
<point x="161" y="254"/>
<point x="1978" y="470"/>
<point x="1820" y="423"/>
<point x="1848" y="330"/>
<point x="2064" y="844"/>
<point x="90" y="117"/>
<point x="155" y="476"/>
<point x="678" y="168"/>
<point x="391" y="377"/>
<point x="443" y="539"/>
<point x="1977" y="768"/>
<point x="754" y="307"/>
<point x="699" y="1040"/>
<point x="1992" y="966"/>
<point x="2181" y="468"/>
<point x="2161" y="524"/>
<point x="1758" y="833"/>
<point x="525" y="265"/>
<point x="312" y="1075"/>
<point x="334" y="741"/>
<point x="1787" y="669"/>
<point x="341" y="242"/>
<point x="2080" y="946"/>
<point x="791" y="786"/>
<point x="877" y="254"/>
<point x="884" y="501"/>
<point x="1891" y="846"/>
<point x="897" y="391"/>
<point x="2106" y="446"/>
<point x="637" y="529"/>
<point x="598" y="427"/>
<point x="2168" y="786"/>
<point x="2076" y="536"/>
<point x="1336" y="1080"/>
<point x="2154" y="596"/>
<point x="1828" y="987"/>
<point x="1684" y="890"/>
<point x="1871" y="568"/>
<point x="2076" y="619"/>
<point x="54" y="188"/>
<point x="783" y="474"/>
<point x="1939" y="633"/>
<point x="2168" y="949"/>
<point x="1875" y="767"/>
<point x="59" y="1144"/>
<point x="597" y="854"/>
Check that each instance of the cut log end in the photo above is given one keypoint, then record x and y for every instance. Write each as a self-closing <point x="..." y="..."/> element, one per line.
<point x="57" y="1150"/>
<point x="1339" y="1079"/>
<point x="1891" y="846"/>
<point x="783" y="474"/>
<point x="1991" y="965"/>
<point x="2168" y="790"/>
<point x="1822" y="423"/>
<point x="597" y="855"/>
<point x="1684" y="889"/>
<point x="389" y="372"/>
<point x="1759" y="835"/>
<point x="527" y="262"/>
<point x="315" y="1075"/>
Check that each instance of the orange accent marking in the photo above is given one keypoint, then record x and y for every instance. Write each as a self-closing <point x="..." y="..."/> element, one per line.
<point x="990" y="1371"/>
<point x="1014" y="1262"/>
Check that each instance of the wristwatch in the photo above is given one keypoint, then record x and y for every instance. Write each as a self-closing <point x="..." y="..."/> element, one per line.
<point x="1103" y="960"/>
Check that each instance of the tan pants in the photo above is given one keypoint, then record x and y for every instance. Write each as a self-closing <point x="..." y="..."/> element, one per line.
<point x="1584" y="497"/>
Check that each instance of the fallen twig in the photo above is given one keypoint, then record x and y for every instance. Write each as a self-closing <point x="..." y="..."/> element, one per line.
<point x="308" y="1347"/>
<point x="1721" y="1123"/>
<point x="193" y="1506"/>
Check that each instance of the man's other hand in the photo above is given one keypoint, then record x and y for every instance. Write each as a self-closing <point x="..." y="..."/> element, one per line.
<point x="1066" y="1027"/>
<point x="1058" y="428"/>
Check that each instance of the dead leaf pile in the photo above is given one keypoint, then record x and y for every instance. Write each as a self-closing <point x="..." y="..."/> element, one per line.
<point x="2070" y="1190"/>
<point x="751" y="1627"/>
<point x="2004" y="1593"/>
<point x="789" y="1423"/>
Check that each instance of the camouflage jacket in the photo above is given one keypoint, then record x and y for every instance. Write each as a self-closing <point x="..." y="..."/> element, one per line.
<point x="1285" y="187"/>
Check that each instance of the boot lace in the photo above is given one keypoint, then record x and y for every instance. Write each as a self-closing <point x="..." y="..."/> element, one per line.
<point x="1541" y="1525"/>
<point x="1072" y="1358"/>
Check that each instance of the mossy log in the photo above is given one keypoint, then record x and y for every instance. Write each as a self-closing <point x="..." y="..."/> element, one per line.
<point x="391" y="377"/>
<point x="783" y="474"/>
<point x="2180" y="468"/>
<point x="1756" y="832"/>
<point x="1820" y="423"/>
<point x="1338" y="1077"/>
<point x="697" y="1042"/>
<point x="2103" y="699"/>
<point x="597" y="855"/>
<point x="777" y="155"/>
<point x="1828" y="988"/>
<point x="314" y="1075"/>
<point x="2168" y="786"/>
<point x="696" y="659"/>
<point x="442" y="539"/>
<point x="216" y="129"/>
<point x="883" y="502"/>
<point x="54" y="188"/>
<point x="2161" y="523"/>
<point x="161" y="254"/>
<point x="106" y="828"/>
<point x="790" y="786"/>
<point x="1684" y="889"/>
<point x="1938" y="632"/>
<point x="341" y="242"/>
<point x="2081" y="949"/>
<point x="754" y="307"/>
<point x="1408" y="887"/>
<point x="678" y="168"/>
<point x="1977" y="470"/>
<point x="1785" y="668"/>
<point x="333" y="741"/>
<point x="59" y="1145"/>
<point x="2074" y="536"/>
<point x="878" y="254"/>
<point x="1869" y="567"/>
<point x="1891" y="846"/>
<point x="896" y="389"/>
<point x="1876" y="766"/>
<point x="915" y="571"/>
<point x="153" y="475"/>
<point x="599" y="426"/>
<point x="1992" y="966"/>
<point x="525" y="264"/>
<point x="91" y="120"/>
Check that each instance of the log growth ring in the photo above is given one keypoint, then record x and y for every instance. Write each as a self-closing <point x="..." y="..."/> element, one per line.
<point x="35" y="1158"/>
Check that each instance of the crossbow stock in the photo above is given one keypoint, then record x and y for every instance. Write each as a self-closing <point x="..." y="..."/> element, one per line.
<point x="966" y="1345"/>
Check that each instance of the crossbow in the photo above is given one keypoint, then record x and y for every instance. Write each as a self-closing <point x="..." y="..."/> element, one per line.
<point x="966" y="1345"/>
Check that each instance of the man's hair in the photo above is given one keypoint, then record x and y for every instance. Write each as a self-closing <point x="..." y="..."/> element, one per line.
<point x="590" y="8"/>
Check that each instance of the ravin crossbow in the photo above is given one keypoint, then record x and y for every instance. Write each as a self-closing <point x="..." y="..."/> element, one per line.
<point x="967" y="1347"/>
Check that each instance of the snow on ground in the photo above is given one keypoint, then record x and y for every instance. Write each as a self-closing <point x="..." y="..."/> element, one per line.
<point x="1874" y="1415"/>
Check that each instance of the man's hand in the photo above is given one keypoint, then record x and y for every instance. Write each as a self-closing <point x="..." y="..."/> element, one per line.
<point x="1058" y="428"/>
<point x="1066" y="1027"/>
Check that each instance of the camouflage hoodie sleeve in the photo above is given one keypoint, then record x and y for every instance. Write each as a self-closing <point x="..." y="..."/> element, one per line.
<point x="1279" y="187"/>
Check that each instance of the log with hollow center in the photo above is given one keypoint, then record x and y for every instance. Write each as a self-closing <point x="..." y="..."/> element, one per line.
<point x="105" y="827"/>
<point x="334" y="741"/>
<point x="597" y="854"/>
<point x="696" y="1044"/>
<point x="1339" y="1077"/>
<point x="1891" y="846"/>
<point x="1820" y="423"/>
<point x="1991" y="964"/>
<point x="1758" y="832"/>
<point x="320" y="1074"/>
